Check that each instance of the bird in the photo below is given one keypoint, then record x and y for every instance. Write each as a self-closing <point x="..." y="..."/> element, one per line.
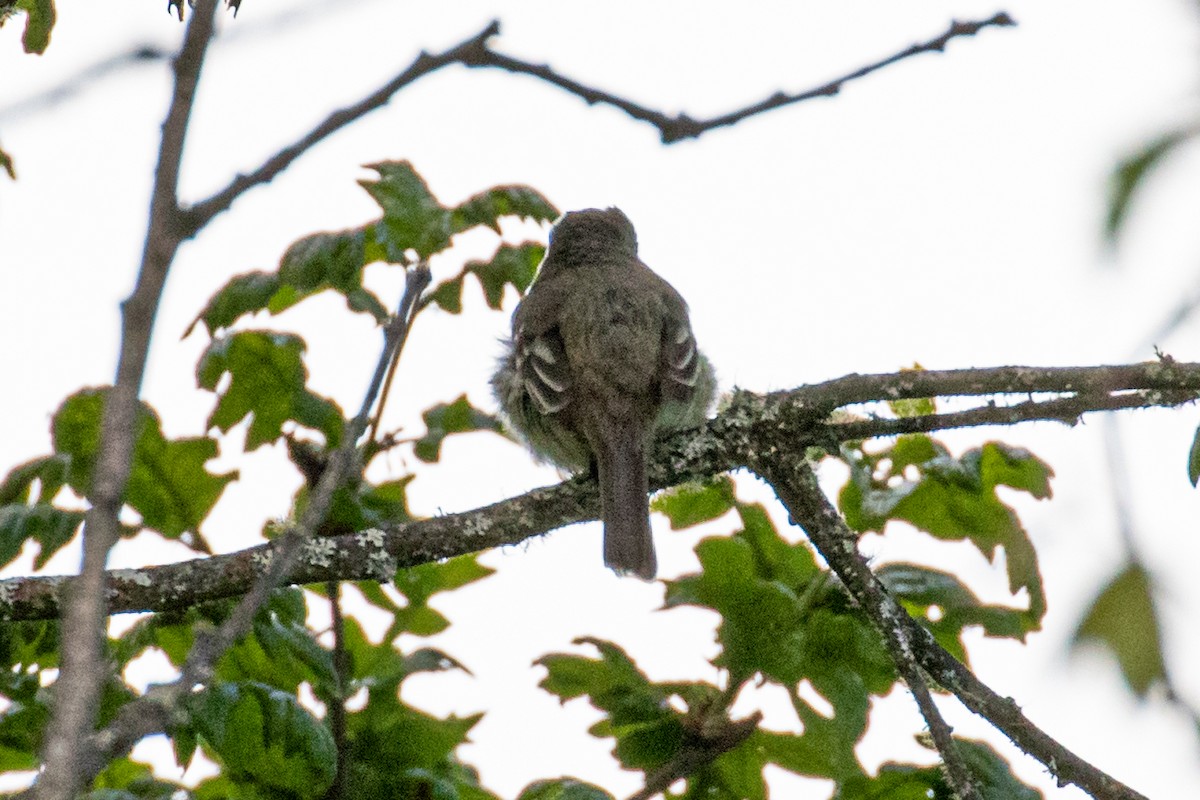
<point x="602" y="359"/>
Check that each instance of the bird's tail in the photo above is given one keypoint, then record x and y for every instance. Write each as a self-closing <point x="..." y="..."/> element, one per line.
<point x="624" y="505"/>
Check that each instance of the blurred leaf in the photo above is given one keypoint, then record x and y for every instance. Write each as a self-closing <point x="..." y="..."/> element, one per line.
<point x="952" y="499"/>
<point x="265" y="738"/>
<point x="487" y="207"/>
<point x="1131" y="173"/>
<point x="1122" y="619"/>
<point x="515" y="265"/>
<point x="1194" y="459"/>
<point x="168" y="484"/>
<point x="447" y="418"/>
<point x="563" y="789"/>
<point x="126" y="778"/>
<point x="39" y="21"/>
<point x="992" y="778"/>
<point x="267" y="380"/>
<point x="693" y="503"/>
<point x="6" y="163"/>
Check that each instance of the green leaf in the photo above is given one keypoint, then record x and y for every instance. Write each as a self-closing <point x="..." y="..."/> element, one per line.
<point x="1123" y="620"/>
<point x="447" y="418"/>
<point x="327" y="261"/>
<point x="1130" y="174"/>
<point x="913" y="406"/>
<point x="952" y="499"/>
<point x="49" y="526"/>
<point x="418" y="584"/>
<point x="168" y="484"/>
<point x="1194" y="459"/>
<point x="486" y="208"/>
<point x="693" y="503"/>
<point x="413" y="219"/>
<point x="563" y="789"/>
<point x="944" y="605"/>
<point x="267" y="380"/>
<point x="647" y="730"/>
<point x="510" y="264"/>
<point x="265" y="738"/>
<point x="447" y="295"/>
<point x="243" y="294"/>
<point x="39" y="21"/>
<point x="6" y="163"/>
<point x="48" y="473"/>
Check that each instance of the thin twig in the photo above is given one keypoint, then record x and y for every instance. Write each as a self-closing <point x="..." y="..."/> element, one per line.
<point x="83" y="670"/>
<point x="798" y="490"/>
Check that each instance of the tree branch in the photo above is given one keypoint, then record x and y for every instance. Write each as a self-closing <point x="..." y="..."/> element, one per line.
<point x="797" y="488"/>
<point x="83" y="670"/>
<point x="681" y="126"/>
<point x="474" y="52"/>
<point x="750" y="423"/>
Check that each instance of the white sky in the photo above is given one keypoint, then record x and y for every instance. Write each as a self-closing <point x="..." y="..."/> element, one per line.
<point x="946" y="211"/>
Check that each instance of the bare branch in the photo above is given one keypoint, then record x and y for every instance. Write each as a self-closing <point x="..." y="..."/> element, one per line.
<point x="201" y="213"/>
<point x="83" y="670"/>
<point x="680" y="127"/>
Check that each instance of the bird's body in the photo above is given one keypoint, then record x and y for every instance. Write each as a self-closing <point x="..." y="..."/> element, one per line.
<point x="602" y="359"/>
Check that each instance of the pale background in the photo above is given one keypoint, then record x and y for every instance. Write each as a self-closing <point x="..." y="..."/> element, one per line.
<point x="946" y="210"/>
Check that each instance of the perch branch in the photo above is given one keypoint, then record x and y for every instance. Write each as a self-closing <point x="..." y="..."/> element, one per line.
<point x="749" y="423"/>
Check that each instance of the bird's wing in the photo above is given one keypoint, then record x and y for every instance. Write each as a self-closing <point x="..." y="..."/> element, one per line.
<point x="681" y="361"/>
<point x="540" y="358"/>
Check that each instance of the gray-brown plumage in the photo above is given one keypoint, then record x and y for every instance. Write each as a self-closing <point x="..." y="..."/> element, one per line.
<point x="602" y="357"/>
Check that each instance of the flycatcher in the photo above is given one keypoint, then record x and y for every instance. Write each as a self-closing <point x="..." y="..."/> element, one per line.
<point x="602" y="359"/>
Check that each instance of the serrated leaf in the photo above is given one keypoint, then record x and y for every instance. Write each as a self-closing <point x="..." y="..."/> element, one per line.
<point x="1123" y="620"/>
<point x="693" y="503"/>
<point x="265" y="738"/>
<point x="413" y="219"/>
<point x="647" y="730"/>
<point x="268" y="384"/>
<point x="487" y="208"/>
<point x="1130" y="174"/>
<point x="39" y="21"/>
<point x="952" y="499"/>
<point x="514" y="265"/>
<point x="447" y="418"/>
<point x="418" y="584"/>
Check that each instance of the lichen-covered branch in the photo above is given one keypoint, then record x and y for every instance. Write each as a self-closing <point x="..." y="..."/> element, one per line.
<point x="749" y="424"/>
<point x="797" y="488"/>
